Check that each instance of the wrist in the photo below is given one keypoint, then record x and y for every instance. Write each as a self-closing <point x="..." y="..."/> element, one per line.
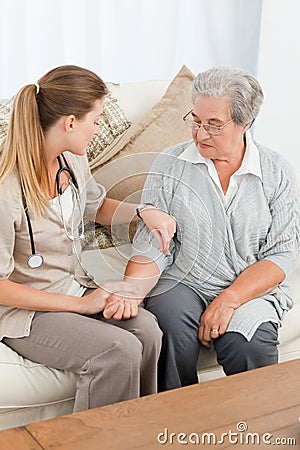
<point x="142" y="207"/>
<point x="228" y="298"/>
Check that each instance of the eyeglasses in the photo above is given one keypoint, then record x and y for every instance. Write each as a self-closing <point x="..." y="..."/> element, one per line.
<point x="214" y="130"/>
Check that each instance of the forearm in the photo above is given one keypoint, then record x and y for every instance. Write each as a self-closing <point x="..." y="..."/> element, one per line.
<point x="116" y="212"/>
<point x="257" y="280"/>
<point x="143" y="273"/>
<point x="25" y="297"/>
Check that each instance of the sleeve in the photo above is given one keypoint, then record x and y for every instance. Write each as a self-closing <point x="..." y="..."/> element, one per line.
<point x="283" y="239"/>
<point x="157" y="190"/>
<point x="10" y="220"/>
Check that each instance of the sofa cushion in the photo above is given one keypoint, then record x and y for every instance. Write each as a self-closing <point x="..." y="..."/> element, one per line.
<point x="31" y="384"/>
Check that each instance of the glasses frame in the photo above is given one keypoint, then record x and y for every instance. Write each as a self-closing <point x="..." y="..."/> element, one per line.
<point x="217" y="128"/>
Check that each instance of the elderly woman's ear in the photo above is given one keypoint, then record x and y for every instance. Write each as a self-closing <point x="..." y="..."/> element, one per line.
<point x="248" y="125"/>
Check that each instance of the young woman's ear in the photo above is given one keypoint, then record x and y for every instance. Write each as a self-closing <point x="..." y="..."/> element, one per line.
<point x="69" y="123"/>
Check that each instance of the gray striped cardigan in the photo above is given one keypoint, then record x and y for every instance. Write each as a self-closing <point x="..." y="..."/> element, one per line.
<point x="214" y="243"/>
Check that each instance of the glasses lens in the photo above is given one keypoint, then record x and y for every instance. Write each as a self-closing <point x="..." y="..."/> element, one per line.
<point x="195" y="126"/>
<point x="212" y="129"/>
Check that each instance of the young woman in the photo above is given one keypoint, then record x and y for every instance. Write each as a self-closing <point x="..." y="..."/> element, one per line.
<point x="50" y="309"/>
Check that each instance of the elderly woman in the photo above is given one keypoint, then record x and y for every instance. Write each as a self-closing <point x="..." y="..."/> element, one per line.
<point x="225" y="279"/>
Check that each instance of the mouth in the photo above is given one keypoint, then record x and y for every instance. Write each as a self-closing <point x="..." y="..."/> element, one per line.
<point x="203" y="145"/>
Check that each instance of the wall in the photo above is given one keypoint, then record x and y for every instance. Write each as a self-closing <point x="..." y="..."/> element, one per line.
<point x="278" y="125"/>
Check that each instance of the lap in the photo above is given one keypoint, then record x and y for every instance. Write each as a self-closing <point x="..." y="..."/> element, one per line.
<point x="177" y="306"/>
<point x="63" y="339"/>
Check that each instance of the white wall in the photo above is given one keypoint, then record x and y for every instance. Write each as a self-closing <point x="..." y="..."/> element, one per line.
<point x="278" y="125"/>
<point x="125" y="40"/>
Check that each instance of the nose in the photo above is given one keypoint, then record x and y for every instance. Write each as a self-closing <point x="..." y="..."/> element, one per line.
<point x="203" y="131"/>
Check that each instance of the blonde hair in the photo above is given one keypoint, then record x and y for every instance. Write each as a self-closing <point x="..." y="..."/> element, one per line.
<point x="62" y="91"/>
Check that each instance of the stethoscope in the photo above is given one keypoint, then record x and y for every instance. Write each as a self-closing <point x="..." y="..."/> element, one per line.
<point x="35" y="260"/>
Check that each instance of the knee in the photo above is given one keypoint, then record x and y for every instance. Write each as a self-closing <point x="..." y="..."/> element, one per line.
<point x="128" y="351"/>
<point x="168" y="321"/>
<point x="236" y="354"/>
<point x="148" y="332"/>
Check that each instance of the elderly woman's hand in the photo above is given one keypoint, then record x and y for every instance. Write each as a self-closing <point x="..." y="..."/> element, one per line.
<point x="215" y="319"/>
<point x="162" y="225"/>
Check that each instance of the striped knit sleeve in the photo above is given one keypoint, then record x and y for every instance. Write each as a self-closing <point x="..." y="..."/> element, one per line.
<point x="158" y="191"/>
<point x="283" y="239"/>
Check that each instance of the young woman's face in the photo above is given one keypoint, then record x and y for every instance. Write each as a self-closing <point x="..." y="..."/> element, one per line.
<point x="85" y="129"/>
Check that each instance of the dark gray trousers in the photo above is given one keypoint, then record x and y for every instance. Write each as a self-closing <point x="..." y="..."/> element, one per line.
<point x="178" y="310"/>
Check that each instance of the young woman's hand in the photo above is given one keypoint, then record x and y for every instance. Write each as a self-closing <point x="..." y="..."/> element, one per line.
<point x="96" y="301"/>
<point x="122" y="305"/>
<point x="162" y="225"/>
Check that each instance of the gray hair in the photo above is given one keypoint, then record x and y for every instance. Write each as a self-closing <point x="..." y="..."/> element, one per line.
<point x="240" y="87"/>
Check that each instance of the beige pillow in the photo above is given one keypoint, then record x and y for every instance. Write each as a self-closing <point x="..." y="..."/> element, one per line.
<point x="123" y="166"/>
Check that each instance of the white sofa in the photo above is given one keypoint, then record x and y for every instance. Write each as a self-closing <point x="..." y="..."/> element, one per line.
<point x="30" y="392"/>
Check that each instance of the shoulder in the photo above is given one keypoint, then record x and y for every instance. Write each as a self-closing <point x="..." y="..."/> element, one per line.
<point x="10" y="187"/>
<point x="273" y="162"/>
<point x="277" y="173"/>
<point x="80" y="167"/>
<point x="168" y="159"/>
<point x="10" y="198"/>
<point x="78" y="162"/>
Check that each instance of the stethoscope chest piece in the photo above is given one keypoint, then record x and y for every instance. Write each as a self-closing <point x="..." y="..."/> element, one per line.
<point x="35" y="260"/>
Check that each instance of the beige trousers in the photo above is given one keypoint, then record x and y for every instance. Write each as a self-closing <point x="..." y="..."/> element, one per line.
<point x="114" y="360"/>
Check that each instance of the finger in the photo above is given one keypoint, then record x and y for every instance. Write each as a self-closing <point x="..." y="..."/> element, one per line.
<point x="172" y="228"/>
<point x="222" y="328"/>
<point x="214" y="333"/>
<point x="127" y="310"/>
<point x="134" y="309"/>
<point x="200" y="333"/>
<point x="205" y="343"/>
<point x="201" y="338"/>
<point x="110" y="310"/>
<point x="206" y="333"/>
<point x="157" y="234"/>
<point x="119" y="313"/>
<point x="164" y="240"/>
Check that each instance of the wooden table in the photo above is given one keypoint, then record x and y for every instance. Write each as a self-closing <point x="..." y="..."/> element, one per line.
<point x="266" y="401"/>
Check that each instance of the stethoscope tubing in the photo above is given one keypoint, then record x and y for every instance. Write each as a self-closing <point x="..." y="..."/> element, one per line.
<point x="35" y="260"/>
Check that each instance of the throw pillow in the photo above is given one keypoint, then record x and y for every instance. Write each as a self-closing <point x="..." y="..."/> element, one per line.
<point x="5" y="110"/>
<point x="112" y="124"/>
<point x="123" y="166"/>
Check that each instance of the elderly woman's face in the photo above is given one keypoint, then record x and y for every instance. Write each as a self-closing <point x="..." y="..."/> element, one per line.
<point x="229" y="144"/>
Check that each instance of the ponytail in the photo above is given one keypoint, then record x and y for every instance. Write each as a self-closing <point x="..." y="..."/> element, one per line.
<point x="24" y="150"/>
